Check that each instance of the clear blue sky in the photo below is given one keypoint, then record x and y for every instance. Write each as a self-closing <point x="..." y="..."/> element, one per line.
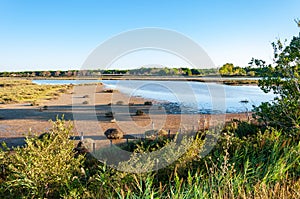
<point x="60" y="34"/>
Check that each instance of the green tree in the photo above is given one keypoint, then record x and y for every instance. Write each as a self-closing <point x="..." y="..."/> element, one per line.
<point x="226" y="69"/>
<point x="282" y="78"/>
<point x="186" y="71"/>
<point x="239" y="71"/>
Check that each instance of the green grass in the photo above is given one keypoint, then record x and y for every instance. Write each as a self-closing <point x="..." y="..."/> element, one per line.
<point x="24" y="91"/>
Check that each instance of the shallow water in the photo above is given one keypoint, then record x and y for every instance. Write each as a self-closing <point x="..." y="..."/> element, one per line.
<point x="186" y="97"/>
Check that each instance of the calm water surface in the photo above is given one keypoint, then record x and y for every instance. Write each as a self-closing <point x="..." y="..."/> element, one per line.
<point x="191" y="97"/>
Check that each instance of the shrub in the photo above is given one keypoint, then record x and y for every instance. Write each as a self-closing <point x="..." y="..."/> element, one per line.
<point x="139" y="112"/>
<point x="85" y="102"/>
<point x="44" y="168"/>
<point x="113" y="133"/>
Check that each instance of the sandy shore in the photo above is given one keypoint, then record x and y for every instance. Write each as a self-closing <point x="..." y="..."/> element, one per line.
<point x="86" y="108"/>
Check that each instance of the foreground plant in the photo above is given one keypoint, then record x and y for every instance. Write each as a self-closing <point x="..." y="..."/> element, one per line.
<point x="258" y="164"/>
<point x="44" y="168"/>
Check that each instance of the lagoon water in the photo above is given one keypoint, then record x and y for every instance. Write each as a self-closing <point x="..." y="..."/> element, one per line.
<point x="190" y="97"/>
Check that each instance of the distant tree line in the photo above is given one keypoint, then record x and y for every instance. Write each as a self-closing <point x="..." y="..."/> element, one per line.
<point x="227" y="69"/>
<point x="141" y="71"/>
<point x="58" y="73"/>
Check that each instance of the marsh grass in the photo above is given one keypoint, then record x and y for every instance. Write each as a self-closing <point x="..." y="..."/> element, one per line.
<point x="24" y="91"/>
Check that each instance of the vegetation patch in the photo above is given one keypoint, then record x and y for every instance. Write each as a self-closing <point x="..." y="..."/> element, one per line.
<point x="20" y="91"/>
<point x="139" y="112"/>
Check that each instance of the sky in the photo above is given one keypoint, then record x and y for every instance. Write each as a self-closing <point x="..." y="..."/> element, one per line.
<point x="61" y="34"/>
